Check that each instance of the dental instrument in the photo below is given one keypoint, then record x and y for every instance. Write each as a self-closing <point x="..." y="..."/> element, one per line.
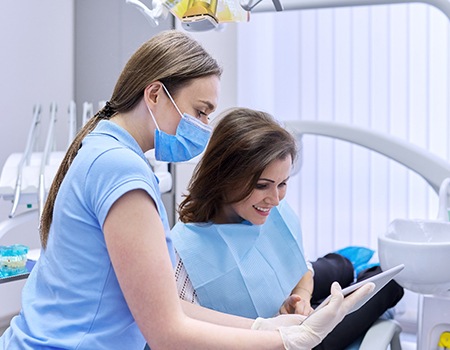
<point x="45" y="158"/>
<point x="25" y="160"/>
<point x="88" y="112"/>
<point x="72" y="111"/>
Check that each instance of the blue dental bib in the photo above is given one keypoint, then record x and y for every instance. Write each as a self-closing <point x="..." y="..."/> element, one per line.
<point x="243" y="269"/>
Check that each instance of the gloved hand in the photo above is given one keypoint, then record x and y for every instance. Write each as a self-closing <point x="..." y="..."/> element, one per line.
<point x="272" y="324"/>
<point x="316" y="327"/>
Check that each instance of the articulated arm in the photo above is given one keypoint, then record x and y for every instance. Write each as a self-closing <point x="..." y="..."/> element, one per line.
<point x="432" y="168"/>
<point x="288" y="5"/>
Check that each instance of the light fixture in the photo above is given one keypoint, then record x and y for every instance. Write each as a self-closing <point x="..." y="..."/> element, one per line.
<point x="195" y="15"/>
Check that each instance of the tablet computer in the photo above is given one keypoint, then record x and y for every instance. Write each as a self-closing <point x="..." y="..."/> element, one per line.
<point x="380" y="280"/>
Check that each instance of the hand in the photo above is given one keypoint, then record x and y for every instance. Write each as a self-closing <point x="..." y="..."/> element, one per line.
<point x="294" y="304"/>
<point x="317" y="326"/>
<point x="272" y="324"/>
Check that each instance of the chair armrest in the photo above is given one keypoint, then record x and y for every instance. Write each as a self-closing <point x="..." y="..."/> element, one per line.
<point x="381" y="334"/>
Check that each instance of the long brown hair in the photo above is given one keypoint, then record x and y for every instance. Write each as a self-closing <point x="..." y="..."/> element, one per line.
<point x="242" y="145"/>
<point x="173" y="58"/>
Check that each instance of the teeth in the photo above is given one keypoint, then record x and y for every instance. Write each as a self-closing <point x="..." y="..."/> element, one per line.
<point x="262" y="209"/>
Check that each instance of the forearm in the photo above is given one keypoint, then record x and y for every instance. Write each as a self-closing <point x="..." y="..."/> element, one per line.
<point x="305" y="286"/>
<point x="198" y="335"/>
<point x="203" y="314"/>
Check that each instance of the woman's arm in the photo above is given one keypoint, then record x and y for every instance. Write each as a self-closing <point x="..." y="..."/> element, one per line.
<point x="136" y="244"/>
<point x="299" y="302"/>
<point x="203" y="314"/>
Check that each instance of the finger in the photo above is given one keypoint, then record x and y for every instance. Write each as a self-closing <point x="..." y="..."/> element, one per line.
<point x="302" y="308"/>
<point x="294" y="299"/>
<point x="358" y="294"/>
<point x="291" y="320"/>
<point x="336" y="295"/>
<point x="291" y="303"/>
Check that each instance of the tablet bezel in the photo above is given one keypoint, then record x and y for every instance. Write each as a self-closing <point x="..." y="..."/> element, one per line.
<point x="380" y="280"/>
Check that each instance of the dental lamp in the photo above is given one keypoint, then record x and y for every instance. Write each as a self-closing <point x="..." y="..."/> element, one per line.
<point x="202" y="15"/>
<point x="195" y="15"/>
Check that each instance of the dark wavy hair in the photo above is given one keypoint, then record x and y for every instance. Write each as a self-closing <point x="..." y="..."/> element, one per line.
<point x="243" y="144"/>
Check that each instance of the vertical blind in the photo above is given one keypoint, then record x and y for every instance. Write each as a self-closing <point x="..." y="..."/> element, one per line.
<point x="383" y="67"/>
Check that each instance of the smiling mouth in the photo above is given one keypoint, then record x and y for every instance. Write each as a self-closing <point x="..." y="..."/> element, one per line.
<point x="264" y="210"/>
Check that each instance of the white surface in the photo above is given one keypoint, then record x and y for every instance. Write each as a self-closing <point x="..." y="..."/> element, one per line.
<point x="292" y="5"/>
<point x="434" y="319"/>
<point x="30" y="175"/>
<point x="382" y="334"/>
<point x="423" y="246"/>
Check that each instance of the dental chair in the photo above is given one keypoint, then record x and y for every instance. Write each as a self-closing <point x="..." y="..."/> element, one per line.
<point x="384" y="332"/>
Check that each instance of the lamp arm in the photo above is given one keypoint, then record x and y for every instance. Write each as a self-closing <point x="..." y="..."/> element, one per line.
<point x="290" y="5"/>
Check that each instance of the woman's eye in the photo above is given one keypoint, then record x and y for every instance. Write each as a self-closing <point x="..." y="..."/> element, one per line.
<point x="261" y="186"/>
<point x="283" y="184"/>
<point x="201" y="114"/>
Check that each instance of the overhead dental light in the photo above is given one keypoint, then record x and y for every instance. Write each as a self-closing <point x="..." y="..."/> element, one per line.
<point x="201" y="15"/>
<point x="195" y="15"/>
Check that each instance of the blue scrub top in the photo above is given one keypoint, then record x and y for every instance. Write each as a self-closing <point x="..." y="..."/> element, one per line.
<point x="72" y="299"/>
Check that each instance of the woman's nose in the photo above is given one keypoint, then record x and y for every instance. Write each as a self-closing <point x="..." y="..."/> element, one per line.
<point x="274" y="197"/>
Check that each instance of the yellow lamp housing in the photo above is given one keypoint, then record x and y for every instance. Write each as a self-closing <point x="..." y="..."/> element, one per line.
<point x="200" y="16"/>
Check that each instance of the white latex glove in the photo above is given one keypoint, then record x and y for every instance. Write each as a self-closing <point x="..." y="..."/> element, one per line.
<point x="272" y="324"/>
<point x="316" y="327"/>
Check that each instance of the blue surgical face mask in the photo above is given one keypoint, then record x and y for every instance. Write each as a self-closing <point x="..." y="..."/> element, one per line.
<point x="189" y="141"/>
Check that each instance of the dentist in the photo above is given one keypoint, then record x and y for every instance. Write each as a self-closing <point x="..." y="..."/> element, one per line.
<point x="105" y="279"/>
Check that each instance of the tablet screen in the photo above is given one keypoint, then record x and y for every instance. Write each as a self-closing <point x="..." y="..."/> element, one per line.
<point x="380" y="280"/>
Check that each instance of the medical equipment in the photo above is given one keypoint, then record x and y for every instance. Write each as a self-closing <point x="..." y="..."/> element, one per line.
<point x="25" y="158"/>
<point x="158" y="11"/>
<point x="207" y="14"/>
<point x="195" y="15"/>
<point x="434" y="311"/>
<point x="26" y="177"/>
<point x="88" y="112"/>
<point x="422" y="245"/>
<point x="444" y="341"/>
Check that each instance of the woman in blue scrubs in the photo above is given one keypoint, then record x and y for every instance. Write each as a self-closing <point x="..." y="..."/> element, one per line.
<point x="104" y="279"/>
<point x="239" y="244"/>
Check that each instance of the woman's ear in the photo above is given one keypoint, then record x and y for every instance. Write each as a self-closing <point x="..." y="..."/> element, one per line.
<point x="152" y="92"/>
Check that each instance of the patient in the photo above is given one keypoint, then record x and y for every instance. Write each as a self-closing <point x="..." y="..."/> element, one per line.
<point x="239" y="245"/>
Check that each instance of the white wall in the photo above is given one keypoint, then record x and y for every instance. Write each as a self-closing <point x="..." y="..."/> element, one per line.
<point x="57" y="50"/>
<point x="222" y="46"/>
<point x="36" y="66"/>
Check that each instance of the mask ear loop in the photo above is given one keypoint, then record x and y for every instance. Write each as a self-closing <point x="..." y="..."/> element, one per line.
<point x="153" y="117"/>
<point x="171" y="99"/>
